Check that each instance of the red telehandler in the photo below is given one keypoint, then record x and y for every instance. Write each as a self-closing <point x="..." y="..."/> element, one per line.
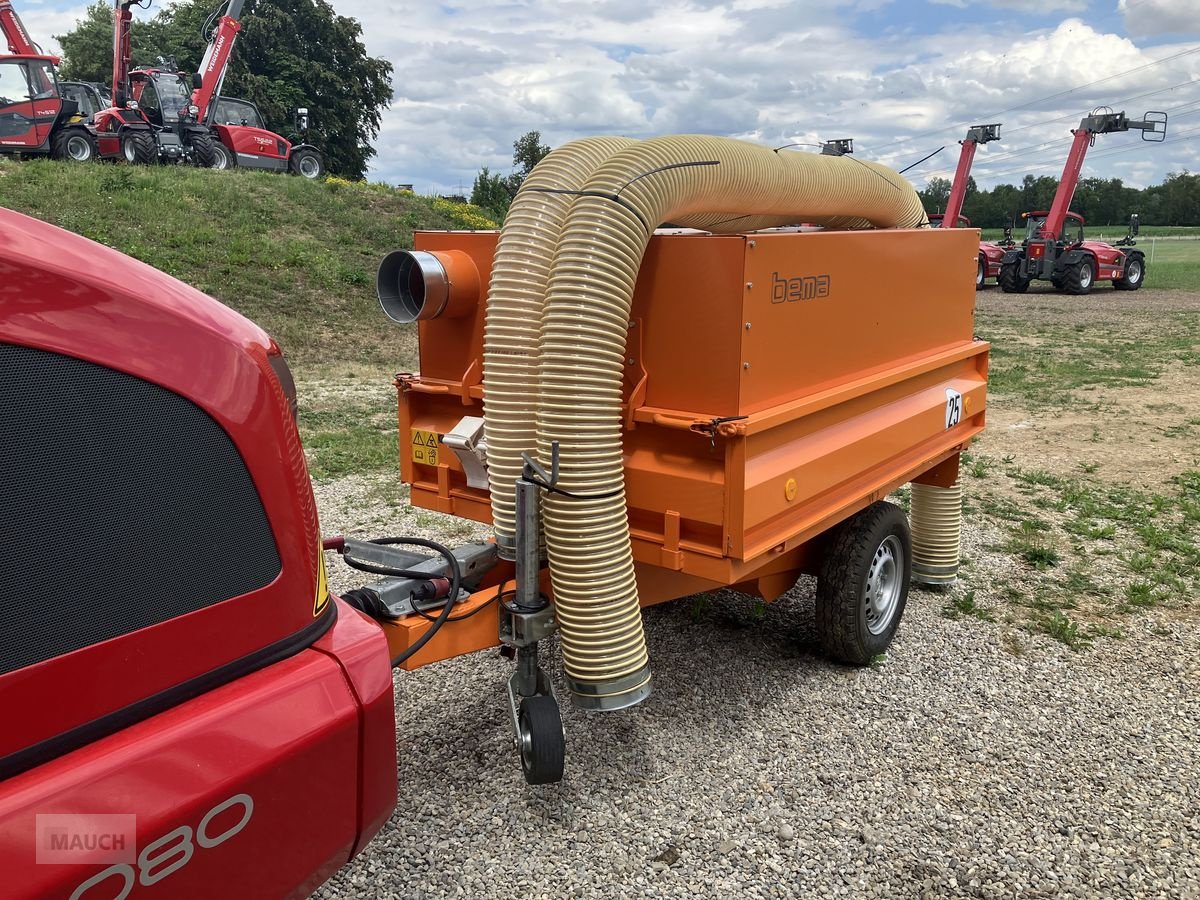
<point x="38" y="115"/>
<point x="1061" y="255"/>
<point x="152" y="119"/>
<point x="990" y="255"/>
<point x="188" y="711"/>
<point x="242" y="139"/>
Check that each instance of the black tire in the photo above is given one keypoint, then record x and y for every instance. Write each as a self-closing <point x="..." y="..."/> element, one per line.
<point x="1011" y="280"/>
<point x="1133" y="276"/>
<point x="223" y="157"/>
<point x="865" y="557"/>
<point x="140" y="148"/>
<point x="74" y="145"/>
<point x="1079" y="277"/>
<point x="203" y="150"/>
<point x="980" y="272"/>
<point x="543" y="747"/>
<point x="1057" y="282"/>
<point x="306" y="163"/>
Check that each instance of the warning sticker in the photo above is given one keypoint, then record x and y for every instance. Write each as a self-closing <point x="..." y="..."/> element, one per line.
<point x="322" y="599"/>
<point x="425" y="447"/>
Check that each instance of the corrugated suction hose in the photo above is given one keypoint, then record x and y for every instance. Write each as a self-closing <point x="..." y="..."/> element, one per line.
<point x="936" y="514"/>
<point x="582" y="356"/>
<point x="514" y="311"/>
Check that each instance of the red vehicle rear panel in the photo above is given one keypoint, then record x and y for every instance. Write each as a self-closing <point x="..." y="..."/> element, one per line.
<point x="282" y="743"/>
<point x="170" y="644"/>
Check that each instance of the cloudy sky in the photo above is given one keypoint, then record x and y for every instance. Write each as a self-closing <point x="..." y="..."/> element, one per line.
<point x="901" y="77"/>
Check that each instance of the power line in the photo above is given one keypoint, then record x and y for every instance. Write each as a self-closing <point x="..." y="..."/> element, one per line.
<point x="1177" y="138"/>
<point x="1179" y="111"/>
<point x="1055" y="96"/>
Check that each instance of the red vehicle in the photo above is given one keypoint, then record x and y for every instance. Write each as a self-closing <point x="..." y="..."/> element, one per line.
<point x="171" y="655"/>
<point x="37" y="117"/>
<point x="151" y="119"/>
<point x="242" y="137"/>
<point x="990" y="255"/>
<point x="1055" y="252"/>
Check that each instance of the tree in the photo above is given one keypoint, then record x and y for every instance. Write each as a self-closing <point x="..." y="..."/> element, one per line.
<point x="528" y="151"/>
<point x="88" y="48"/>
<point x="490" y="192"/>
<point x="936" y="194"/>
<point x="495" y="192"/>
<point x="290" y="53"/>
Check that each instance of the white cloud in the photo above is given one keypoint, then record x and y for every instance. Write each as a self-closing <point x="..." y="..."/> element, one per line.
<point x="1155" y="17"/>
<point x="1045" y="7"/>
<point x="470" y="80"/>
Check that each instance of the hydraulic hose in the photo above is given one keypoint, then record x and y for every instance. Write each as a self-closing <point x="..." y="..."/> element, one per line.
<point x="582" y="357"/>
<point x="520" y="271"/>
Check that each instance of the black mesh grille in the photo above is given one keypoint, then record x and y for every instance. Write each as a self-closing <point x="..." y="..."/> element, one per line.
<point x="121" y="505"/>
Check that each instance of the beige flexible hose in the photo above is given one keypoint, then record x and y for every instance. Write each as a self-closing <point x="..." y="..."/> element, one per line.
<point x="936" y="514"/>
<point x="582" y="355"/>
<point x="514" y="310"/>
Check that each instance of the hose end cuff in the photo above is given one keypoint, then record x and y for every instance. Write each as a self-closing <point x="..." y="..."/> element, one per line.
<point x="610" y="696"/>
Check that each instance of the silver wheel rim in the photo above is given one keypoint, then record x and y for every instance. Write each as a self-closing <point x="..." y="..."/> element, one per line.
<point x="979" y="273"/>
<point x="309" y="166"/>
<point x="881" y="593"/>
<point x="130" y="151"/>
<point x="1085" y="276"/>
<point x="1133" y="273"/>
<point x="78" y="149"/>
<point x="220" y="159"/>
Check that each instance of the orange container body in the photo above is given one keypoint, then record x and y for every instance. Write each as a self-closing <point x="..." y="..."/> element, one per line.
<point x="776" y="383"/>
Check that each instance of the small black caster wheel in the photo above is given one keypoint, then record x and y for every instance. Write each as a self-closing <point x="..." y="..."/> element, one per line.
<point x="541" y="741"/>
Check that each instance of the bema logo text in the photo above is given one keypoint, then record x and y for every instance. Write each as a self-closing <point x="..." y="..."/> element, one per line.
<point x="808" y="287"/>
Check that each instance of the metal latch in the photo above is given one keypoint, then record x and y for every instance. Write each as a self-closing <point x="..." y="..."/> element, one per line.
<point x="469" y="445"/>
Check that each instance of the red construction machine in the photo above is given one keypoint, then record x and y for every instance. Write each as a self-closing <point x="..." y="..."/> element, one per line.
<point x="38" y="115"/>
<point x="1060" y="254"/>
<point x="188" y="710"/>
<point x="990" y="254"/>
<point x="241" y="136"/>
<point x="152" y="119"/>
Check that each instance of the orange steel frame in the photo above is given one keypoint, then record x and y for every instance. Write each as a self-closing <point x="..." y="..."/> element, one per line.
<point x="777" y="383"/>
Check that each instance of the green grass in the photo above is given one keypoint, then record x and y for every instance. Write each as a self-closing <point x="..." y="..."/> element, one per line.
<point x="1066" y="360"/>
<point x="1097" y="549"/>
<point x="297" y="257"/>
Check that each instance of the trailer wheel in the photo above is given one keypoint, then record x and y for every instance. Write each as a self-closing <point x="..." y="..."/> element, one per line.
<point x="863" y="584"/>
<point x="980" y="272"/>
<point x="1079" y="277"/>
<point x="1011" y="280"/>
<point x="140" y="148"/>
<point x="1133" y="276"/>
<point x="307" y="164"/>
<point x="75" y="145"/>
<point x="540" y="740"/>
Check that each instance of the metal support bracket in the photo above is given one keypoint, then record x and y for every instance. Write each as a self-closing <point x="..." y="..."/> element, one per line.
<point x="467" y="441"/>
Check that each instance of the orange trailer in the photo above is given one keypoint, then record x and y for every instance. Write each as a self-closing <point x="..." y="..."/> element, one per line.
<point x="777" y="387"/>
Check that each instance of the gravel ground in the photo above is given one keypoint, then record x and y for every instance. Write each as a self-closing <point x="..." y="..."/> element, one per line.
<point x="975" y="761"/>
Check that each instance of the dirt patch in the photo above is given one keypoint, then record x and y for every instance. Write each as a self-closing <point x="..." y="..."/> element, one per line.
<point x="1103" y="306"/>
<point x="1141" y="435"/>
